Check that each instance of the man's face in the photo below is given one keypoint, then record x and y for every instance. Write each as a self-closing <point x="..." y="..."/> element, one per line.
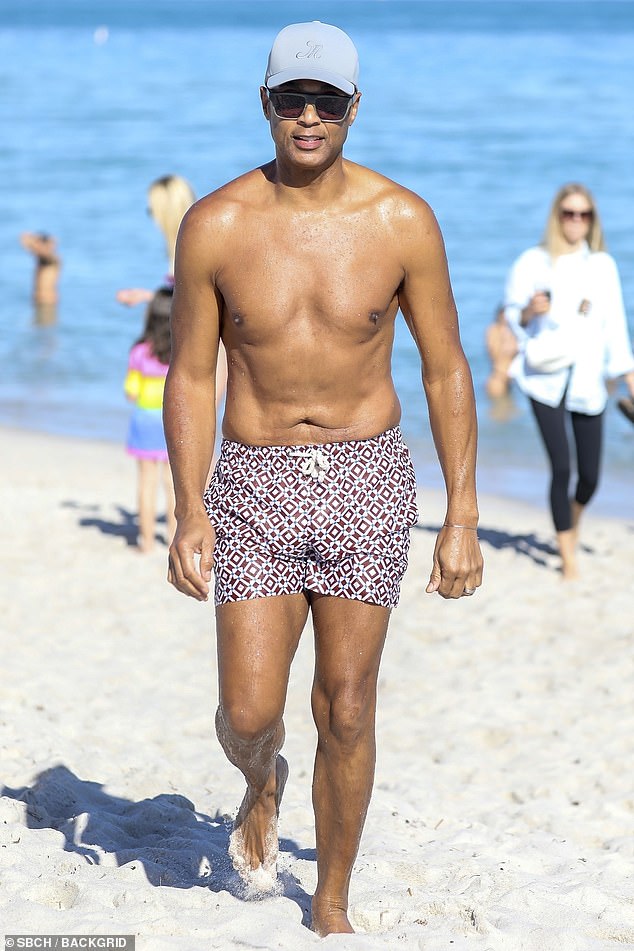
<point x="309" y="140"/>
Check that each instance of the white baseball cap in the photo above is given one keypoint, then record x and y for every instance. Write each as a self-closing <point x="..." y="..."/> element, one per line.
<point x="313" y="51"/>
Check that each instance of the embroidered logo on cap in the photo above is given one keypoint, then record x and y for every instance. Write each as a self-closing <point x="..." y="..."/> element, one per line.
<point x="314" y="51"/>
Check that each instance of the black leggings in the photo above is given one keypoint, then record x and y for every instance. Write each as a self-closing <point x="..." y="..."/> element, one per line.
<point x="588" y="436"/>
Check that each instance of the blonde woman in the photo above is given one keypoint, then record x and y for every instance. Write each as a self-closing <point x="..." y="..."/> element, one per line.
<point x="168" y="199"/>
<point x="570" y="285"/>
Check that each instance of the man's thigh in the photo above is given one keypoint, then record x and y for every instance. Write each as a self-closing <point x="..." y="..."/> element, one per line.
<point x="256" y="643"/>
<point x="349" y="639"/>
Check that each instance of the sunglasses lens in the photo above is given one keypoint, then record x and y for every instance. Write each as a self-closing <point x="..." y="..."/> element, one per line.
<point x="291" y="105"/>
<point x="288" y="105"/>
<point x="568" y="214"/>
<point x="331" y="108"/>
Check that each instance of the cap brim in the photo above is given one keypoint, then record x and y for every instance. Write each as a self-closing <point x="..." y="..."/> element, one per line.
<point x="305" y="72"/>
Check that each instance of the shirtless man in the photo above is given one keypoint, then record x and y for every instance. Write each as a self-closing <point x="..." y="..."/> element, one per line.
<point x="300" y="267"/>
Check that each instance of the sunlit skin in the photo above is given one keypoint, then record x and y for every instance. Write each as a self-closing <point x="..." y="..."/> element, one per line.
<point x="300" y="267"/>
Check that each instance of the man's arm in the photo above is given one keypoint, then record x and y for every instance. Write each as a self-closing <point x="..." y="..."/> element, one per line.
<point x="189" y="406"/>
<point x="427" y="303"/>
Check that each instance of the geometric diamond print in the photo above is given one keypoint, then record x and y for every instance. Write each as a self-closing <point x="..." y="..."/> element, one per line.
<point x="333" y="518"/>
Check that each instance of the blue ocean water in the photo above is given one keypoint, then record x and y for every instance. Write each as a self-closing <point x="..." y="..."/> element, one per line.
<point x="484" y="108"/>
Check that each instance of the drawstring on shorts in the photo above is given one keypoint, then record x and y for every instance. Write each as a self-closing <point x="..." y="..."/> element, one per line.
<point x="315" y="462"/>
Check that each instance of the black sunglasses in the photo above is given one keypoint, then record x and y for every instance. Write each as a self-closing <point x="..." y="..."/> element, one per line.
<point x="570" y="214"/>
<point x="291" y="105"/>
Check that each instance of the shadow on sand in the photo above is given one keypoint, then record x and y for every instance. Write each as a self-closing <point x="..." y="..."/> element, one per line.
<point x="125" y="525"/>
<point x="177" y="846"/>
<point x="529" y="545"/>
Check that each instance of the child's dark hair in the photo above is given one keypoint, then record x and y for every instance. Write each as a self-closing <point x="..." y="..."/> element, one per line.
<point x="157" y="325"/>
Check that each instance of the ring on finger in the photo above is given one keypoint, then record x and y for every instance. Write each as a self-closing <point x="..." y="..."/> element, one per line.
<point x="468" y="592"/>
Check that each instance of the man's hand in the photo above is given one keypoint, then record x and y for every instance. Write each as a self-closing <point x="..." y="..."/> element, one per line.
<point x="458" y="564"/>
<point x="194" y="536"/>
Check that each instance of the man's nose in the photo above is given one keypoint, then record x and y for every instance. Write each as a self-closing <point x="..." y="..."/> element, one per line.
<point x="309" y="115"/>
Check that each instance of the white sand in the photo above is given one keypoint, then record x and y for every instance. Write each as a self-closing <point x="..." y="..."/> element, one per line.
<point x="503" y="812"/>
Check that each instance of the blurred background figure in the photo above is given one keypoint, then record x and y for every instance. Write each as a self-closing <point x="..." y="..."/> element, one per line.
<point x="148" y="364"/>
<point x="566" y="292"/>
<point x="502" y="346"/>
<point x="168" y="199"/>
<point x="626" y="405"/>
<point x="48" y="265"/>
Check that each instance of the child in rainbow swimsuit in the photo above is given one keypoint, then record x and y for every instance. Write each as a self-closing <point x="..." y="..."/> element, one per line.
<point x="144" y="384"/>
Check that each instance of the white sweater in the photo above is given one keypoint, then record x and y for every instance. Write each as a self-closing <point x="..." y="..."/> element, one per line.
<point x="602" y="347"/>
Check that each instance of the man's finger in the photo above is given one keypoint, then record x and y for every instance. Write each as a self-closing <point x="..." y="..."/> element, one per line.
<point x="183" y="575"/>
<point x="450" y="587"/>
<point x="434" y="579"/>
<point x="192" y="577"/>
<point x="207" y="561"/>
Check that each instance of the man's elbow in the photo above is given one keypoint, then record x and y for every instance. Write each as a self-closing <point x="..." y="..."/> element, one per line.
<point x="455" y="372"/>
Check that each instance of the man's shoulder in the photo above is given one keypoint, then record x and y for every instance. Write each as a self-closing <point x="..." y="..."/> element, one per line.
<point x="387" y="194"/>
<point x="226" y="204"/>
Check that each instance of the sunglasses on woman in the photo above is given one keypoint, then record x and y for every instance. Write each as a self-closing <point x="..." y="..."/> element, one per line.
<point x="571" y="214"/>
<point x="291" y="105"/>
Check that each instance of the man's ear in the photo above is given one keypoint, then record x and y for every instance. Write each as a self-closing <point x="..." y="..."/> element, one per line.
<point x="266" y="105"/>
<point x="354" y="109"/>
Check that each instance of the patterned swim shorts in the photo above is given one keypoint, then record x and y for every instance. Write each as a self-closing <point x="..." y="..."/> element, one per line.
<point x="333" y="519"/>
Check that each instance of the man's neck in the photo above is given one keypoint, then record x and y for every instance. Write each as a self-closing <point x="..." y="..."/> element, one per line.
<point x="309" y="186"/>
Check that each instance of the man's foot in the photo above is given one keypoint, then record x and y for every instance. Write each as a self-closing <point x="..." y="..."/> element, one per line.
<point x="328" y="918"/>
<point x="253" y="844"/>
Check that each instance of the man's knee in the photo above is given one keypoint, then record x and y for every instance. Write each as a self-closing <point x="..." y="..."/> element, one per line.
<point x="245" y="723"/>
<point x="345" y="714"/>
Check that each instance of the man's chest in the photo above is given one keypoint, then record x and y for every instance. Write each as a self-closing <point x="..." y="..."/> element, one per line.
<point x="340" y="273"/>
